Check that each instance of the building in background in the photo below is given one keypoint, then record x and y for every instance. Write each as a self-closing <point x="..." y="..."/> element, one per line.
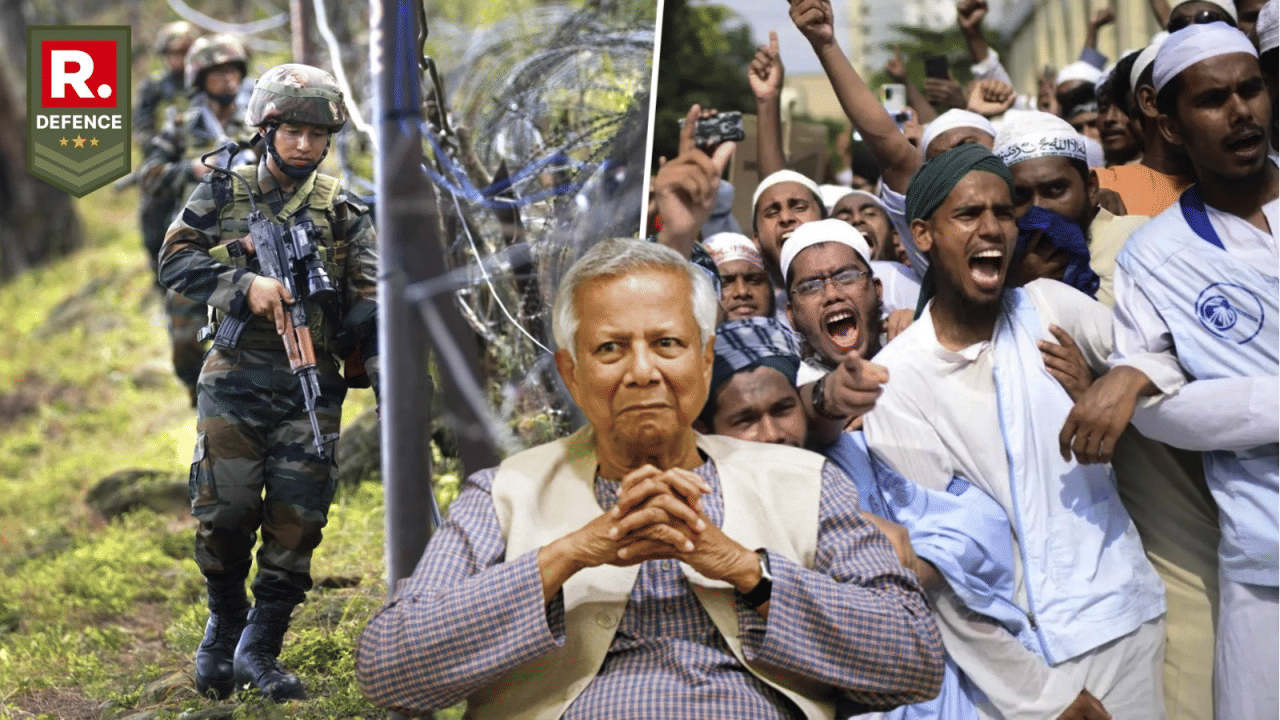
<point x="929" y="14"/>
<point x="1050" y="33"/>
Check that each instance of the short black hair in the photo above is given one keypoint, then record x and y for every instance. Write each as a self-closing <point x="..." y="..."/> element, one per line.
<point x="1072" y="99"/>
<point x="1121" y="89"/>
<point x="1167" y="97"/>
<point x="1268" y="59"/>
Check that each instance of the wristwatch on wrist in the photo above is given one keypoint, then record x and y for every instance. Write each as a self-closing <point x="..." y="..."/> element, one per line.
<point x="760" y="594"/>
<point x="819" y="400"/>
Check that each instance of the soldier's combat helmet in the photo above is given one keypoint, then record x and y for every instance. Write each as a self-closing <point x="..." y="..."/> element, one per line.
<point x="295" y="93"/>
<point x="179" y="34"/>
<point x="211" y="51"/>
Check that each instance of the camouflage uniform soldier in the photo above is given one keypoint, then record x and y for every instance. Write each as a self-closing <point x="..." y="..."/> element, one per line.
<point x="165" y="87"/>
<point x="253" y="432"/>
<point x="215" y="67"/>
<point x="163" y="92"/>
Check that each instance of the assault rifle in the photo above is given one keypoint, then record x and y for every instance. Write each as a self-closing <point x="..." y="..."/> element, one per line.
<point x="290" y="258"/>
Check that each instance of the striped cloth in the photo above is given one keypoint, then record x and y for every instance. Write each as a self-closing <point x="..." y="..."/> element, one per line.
<point x="858" y="622"/>
<point x="751" y="342"/>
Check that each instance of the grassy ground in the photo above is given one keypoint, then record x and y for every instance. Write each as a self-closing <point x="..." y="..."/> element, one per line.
<point x="100" y="620"/>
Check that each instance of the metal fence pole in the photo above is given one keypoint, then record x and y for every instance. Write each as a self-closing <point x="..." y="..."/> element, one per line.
<point x="406" y="211"/>
<point x="412" y="252"/>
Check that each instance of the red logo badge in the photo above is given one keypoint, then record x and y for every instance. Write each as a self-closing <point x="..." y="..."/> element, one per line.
<point x="78" y="73"/>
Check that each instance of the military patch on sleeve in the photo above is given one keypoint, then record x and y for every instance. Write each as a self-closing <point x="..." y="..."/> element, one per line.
<point x="199" y="222"/>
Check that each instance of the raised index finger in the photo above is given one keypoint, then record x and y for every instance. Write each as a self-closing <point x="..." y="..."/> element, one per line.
<point x="773" y="43"/>
<point x="687" y="143"/>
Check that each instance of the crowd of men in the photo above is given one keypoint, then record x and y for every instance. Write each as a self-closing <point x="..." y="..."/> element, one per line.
<point x="993" y="436"/>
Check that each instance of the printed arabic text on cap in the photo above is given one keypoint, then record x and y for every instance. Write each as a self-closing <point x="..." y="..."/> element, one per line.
<point x="1032" y="134"/>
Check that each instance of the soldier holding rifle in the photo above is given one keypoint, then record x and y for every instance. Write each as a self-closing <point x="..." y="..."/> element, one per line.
<point x="215" y="67"/>
<point x="288" y="263"/>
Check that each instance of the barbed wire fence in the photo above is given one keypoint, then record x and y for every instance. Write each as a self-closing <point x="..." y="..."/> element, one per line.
<point x="522" y="134"/>
<point x="528" y="147"/>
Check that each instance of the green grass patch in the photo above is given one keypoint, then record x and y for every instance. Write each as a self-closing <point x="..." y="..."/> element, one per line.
<point x="109" y="614"/>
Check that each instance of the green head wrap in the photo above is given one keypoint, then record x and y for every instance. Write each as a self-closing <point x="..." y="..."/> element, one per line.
<point x="934" y="180"/>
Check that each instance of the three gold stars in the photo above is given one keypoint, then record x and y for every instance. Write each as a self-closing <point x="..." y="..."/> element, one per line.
<point x="79" y="141"/>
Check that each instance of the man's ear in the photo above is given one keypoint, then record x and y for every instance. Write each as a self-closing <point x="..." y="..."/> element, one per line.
<point x="1145" y="98"/>
<point x="920" y="231"/>
<point x="1170" y="129"/>
<point x="1091" y="189"/>
<point x="791" y="316"/>
<point x="879" y="288"/>
<point x="565" y="366"/>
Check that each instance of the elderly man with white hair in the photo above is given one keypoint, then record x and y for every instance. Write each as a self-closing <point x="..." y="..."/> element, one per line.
<point x="1196" y="297"/>
<point x="639" y="569"/>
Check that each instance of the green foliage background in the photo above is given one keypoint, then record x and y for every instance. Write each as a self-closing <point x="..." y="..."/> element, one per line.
<point x="706" y="49"/>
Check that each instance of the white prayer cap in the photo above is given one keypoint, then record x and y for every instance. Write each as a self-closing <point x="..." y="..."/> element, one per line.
<point x="1267" y="26"/>
<point x="1195" y="43"/>
<point x="831" y="194"/>
<point x="782" y="176"/>
<point x="863" y="193"/>
<point x="1228" y="7"/>
<point x="726" y="246"/>
<point x="1078" y="70"/>
<point x="816" y="232"/>
<point x="950" y="120"/>
<point x="1031" y="134"/>
<point x="1145" y="58"/>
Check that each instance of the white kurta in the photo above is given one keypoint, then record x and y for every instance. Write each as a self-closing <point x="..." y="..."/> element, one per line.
<point x="932" y="432"/>
<point x="1222" y="414"/>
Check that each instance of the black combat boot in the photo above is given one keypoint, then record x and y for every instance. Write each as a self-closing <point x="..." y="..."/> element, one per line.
<point x="214" y="671"/>
<point x="255" y="659"/>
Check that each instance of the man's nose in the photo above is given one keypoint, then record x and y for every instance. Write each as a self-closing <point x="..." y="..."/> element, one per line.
<point x="643" y="370"/>
<point x="769" y="431"/>
<point x="989" y="225"/>
<point x="1240" y="109"/>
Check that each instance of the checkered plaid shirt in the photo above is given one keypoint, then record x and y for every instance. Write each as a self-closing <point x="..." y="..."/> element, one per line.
<point x="857" y="621"/>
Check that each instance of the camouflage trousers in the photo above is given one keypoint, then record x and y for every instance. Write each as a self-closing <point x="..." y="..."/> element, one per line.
<point x="255" y="467"/>
<point x="186" y="318"/>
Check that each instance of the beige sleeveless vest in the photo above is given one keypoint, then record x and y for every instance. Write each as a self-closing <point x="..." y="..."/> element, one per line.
<point x="771" y="496"/>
